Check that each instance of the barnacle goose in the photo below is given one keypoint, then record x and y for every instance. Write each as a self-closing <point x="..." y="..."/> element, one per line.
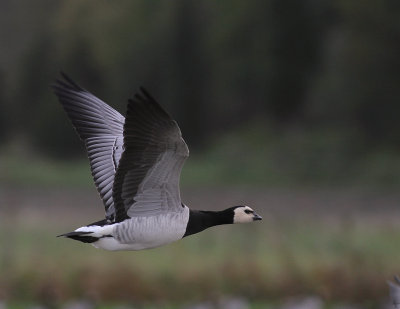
<point x="136" y="164"/>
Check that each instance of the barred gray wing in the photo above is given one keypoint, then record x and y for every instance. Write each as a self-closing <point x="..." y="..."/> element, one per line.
<point x="101" y="129"/>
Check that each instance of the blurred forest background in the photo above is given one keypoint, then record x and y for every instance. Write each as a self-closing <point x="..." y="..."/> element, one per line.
<point x="291" y="105"/>
<point x="304" y="90"/>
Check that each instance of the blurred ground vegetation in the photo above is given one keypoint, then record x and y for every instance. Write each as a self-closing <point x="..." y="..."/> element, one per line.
<point x="340" y="245"/>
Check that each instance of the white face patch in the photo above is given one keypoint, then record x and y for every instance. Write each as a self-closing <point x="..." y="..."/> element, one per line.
<point x="243" y="214"/>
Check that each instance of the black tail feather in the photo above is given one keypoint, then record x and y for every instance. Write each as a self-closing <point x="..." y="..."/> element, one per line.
<point x="81" y="236"/>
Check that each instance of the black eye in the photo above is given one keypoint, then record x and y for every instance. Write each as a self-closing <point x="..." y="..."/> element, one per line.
<point x="248" y="211"/>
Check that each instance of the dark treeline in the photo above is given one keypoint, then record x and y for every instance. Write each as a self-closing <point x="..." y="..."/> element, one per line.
<point x="216" y="65"/>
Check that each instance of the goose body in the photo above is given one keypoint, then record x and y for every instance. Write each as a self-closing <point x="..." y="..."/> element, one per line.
<point x="136" y="164"/>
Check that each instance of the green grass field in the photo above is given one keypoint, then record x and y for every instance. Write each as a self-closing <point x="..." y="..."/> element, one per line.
<point x="339" y="243"/>
<point x="339" y="256"/>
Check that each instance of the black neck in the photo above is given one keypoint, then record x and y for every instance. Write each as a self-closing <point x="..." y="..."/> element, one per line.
<point x="200" y="220"/>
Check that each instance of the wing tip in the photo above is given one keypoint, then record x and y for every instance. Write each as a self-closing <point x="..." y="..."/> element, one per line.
<point x="143" y="97"/>
<point x="64" y="83"/>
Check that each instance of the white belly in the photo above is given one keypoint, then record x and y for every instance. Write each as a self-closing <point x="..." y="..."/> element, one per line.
<point x="139" y="233"/>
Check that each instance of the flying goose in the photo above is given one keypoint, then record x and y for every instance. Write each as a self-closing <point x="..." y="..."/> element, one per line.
<point x="136" y="164"/>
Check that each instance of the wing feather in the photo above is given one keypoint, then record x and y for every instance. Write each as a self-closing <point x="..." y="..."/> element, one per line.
<point x="147" y="178"/>
<point x="101" y="128"/>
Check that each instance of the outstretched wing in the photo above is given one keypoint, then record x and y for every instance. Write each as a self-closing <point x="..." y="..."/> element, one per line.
<point x="101" y="128"/>
<point x="147" y="179"/>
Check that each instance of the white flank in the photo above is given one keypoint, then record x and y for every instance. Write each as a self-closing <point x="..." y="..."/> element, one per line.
<point x="140" y="233"/>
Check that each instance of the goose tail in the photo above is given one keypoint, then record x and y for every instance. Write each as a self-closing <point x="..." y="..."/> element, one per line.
<point x="86" y="237"/>
<point x="90" y="233"/>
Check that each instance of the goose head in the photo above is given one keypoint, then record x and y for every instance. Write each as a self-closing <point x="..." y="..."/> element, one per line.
<point x="244" y="214"/>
